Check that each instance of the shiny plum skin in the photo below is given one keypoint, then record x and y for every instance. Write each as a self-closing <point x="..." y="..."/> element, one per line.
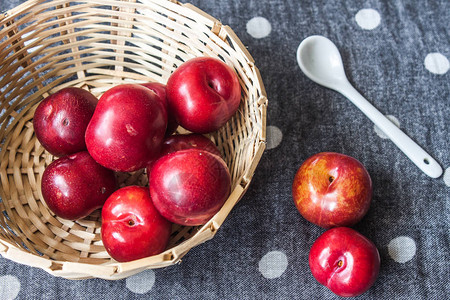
<point x="160" y="90"/>
<point x="75" y="185"/>
<point x="332" y="189"/>
<point x="60" y="120"/>
<point x="187" y="141"/>
<point x="127" y="128"/>
<point x="203" y="93"/>
<point x="190" y="186"/>
<point x="345" y="261"/>
<point x="178" y="142"/>
<point x="132" y="228"/>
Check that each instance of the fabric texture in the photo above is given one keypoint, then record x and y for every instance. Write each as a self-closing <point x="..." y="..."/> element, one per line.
<point x="396" y="54"/>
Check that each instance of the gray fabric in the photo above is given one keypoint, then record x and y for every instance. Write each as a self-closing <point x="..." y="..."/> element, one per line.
<point x="387" y="65"/>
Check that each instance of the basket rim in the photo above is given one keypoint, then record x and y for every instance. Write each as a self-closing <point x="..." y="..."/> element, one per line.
<point x="117" y="270"/>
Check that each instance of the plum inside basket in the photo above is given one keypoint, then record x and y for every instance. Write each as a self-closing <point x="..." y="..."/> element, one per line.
<point x="48" y="45"/>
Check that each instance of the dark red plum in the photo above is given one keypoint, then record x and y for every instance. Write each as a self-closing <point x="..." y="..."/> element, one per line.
<point x="60" y="120"/>
<point x="160" y="90"/>
<point x="132" y="228"/>
<point x="185" y="141"/>
<point x="127" y="128"/>
<point x="345" y="261"/>
<point x="203" y="93"/>
<point x="190" y="186"/>
<point x="75" y="185"/>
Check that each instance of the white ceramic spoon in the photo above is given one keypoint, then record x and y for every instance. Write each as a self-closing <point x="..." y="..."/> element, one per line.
<point x="321" y="61"/>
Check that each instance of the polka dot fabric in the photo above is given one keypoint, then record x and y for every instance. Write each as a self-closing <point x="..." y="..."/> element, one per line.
<point x="274" y="137"/>
<point x="259" y="27"/>
<point x="402" y="249"/>
<point x="273" y="264"/>
<point x="141" y="283"/>
<point x="9" y="287"/>
<point x="368" y="18"/>
<point x="397" y="54"/>
<point x="446" y="177"/>
<point x="436" y="63"/>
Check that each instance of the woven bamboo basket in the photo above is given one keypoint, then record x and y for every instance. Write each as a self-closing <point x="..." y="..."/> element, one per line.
<point x="96" y="44"/>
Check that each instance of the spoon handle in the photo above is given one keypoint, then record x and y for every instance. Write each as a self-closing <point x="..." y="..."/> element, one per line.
<point x="413" y="151"/>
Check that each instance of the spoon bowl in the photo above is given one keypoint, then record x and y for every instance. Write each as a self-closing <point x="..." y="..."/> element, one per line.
<point x="320" y="60"/>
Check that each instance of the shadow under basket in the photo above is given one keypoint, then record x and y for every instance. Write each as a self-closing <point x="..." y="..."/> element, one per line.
<point x="49" y="45"/>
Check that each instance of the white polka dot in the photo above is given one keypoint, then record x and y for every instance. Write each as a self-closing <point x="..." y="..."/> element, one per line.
<point x="142" y="282"/>
<point x="380" y="133"/>
<point x="259" y="27"/>
<point x="28" y="42"/>
<point x="447" y="176"/>
<point x="9" y="287"/>
<point x="274" y="137"/>
<point x="368" y="18"/>
<point x="436" y="63"/>
<point x="273" y="264"/>
<point x="402" y="249"/>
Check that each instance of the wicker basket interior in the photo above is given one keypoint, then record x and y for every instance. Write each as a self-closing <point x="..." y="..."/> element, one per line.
<point x="96" y="44"/>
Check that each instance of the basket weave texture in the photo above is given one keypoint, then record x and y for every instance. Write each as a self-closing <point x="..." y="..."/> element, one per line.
<point x="96" y="44"/>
